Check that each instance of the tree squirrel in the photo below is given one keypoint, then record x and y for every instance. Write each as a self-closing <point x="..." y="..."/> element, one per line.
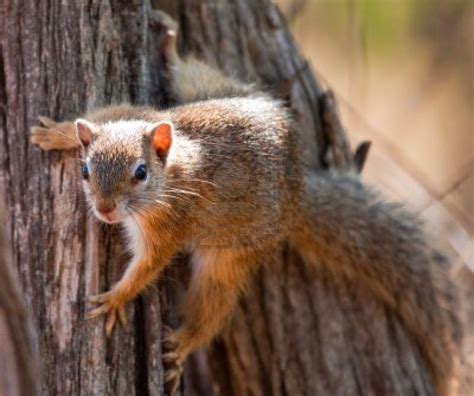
<point x="220" y="175"/>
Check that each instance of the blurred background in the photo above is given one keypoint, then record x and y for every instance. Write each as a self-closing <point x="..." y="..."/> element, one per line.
<point x="402" y="71"/>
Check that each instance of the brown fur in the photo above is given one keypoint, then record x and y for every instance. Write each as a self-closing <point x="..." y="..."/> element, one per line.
<point x="382" y="247"/>
<point x="233" y="189"/>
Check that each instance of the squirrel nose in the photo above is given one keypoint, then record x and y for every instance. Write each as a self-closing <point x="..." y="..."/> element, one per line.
<point x="106" y="208"/>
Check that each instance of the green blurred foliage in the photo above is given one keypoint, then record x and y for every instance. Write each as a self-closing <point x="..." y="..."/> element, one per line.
<point x="390" y="29"/>
<point x="386" y="24"/>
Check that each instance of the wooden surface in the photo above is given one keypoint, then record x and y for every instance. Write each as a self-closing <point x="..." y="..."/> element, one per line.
<point x="19" y="363"/>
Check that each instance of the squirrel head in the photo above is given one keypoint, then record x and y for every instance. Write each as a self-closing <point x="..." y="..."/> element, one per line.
<point x="123" y="165"/>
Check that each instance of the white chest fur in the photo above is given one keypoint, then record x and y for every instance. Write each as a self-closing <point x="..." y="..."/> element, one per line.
<point x="135" y="236"/>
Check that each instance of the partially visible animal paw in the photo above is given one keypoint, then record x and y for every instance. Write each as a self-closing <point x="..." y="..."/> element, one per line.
<point x="53" y="136"/>
<point x="171" y="361"/>
<point x="110" y="306"/>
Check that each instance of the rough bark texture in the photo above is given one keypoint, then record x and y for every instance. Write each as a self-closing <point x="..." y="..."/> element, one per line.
<point x="294" y="334"/>
<point x="19" y="374"/>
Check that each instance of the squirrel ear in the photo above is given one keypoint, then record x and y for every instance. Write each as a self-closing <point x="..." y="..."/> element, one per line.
<point x="84" y="131"/>
<point x="161" y="138"/>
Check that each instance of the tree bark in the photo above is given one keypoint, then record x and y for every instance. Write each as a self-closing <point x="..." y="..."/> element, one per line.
<point x="19" y="366"/>
<point x="295" y="333"/>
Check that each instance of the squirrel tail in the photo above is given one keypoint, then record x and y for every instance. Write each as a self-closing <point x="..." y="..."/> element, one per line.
<point x="189" y="79"/>
<point x="193" y="80"/>
<point x="384" y="249"/>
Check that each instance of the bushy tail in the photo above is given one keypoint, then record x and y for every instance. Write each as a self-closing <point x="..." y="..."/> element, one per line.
<point x="189" y="79"/>
<point x="383" y="248"/>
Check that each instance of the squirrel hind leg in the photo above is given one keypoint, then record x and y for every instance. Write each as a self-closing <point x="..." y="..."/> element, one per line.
<point x="54" y="136"/>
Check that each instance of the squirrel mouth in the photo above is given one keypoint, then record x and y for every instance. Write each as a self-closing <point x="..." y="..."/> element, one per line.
<point x="109" y="218"/>
<point x="108" y="221"/>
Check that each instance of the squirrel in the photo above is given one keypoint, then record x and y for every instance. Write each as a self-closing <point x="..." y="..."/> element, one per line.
<point x="220" y="175"/>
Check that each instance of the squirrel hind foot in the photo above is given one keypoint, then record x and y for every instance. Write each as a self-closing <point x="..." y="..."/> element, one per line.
<point x="171" y="362"/>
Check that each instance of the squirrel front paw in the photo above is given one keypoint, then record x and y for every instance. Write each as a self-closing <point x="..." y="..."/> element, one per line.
<point x="172" y="361"/>
<point x="110" y="305"/>
<point x="54" y="136"/>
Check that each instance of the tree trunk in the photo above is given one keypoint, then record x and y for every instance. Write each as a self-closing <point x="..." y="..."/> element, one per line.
<point x="295" y="333"/>
<point x="19" y="365"/>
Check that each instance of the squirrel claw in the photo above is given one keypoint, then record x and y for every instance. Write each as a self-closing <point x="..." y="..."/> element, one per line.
<point x="170" y="357"/>
<point x="109" y="324"/>
<point x="122" y="316"/>
<point x="99" y="298"/>
<point x="97" y="312"/>
<point x="110" y="307"/>
<point x="172" y="361"/>
<point x="170" y="342"/>
<point x="172" y="379"/>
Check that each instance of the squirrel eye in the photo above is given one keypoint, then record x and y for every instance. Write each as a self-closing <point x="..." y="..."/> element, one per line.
<point x="140" y="173"/>
<point x="85" y="171"/>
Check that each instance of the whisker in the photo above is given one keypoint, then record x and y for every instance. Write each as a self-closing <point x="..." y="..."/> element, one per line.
<point x="175" y="197"/>
<point x="201" y="181"/>
<point x="157" y="202"/>
<point x="186" y="192"/>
